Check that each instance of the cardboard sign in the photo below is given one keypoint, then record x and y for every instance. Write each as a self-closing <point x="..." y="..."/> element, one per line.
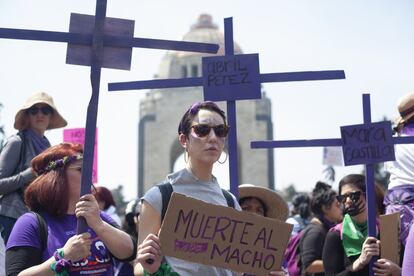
<point x="113" y="57"/>
<point x="390" y="241"/>
<point x="229" y="78"/>
<point x="77" y="135"/>
<point x="221" y="236"/>
<point x="367" y="143"/>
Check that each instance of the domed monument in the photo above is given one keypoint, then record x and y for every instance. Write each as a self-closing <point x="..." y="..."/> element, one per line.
<point x="161" y="110"/>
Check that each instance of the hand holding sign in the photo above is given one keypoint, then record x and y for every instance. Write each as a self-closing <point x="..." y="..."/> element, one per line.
<point x="223" y="237"/>
<point x="149" y="253"/>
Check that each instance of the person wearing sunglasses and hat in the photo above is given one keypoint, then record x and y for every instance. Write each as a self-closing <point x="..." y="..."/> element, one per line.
<point x="263" y="202"/>
<point x="201" y="132"/>
<point x="37" y="115"/>
<point x="400" y="194"/>
<point x="348" y="249"/>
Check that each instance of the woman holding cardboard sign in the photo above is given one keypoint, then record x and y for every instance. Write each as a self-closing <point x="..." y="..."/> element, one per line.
<point x="348" y="249"/>
<point x="201" y="132"/>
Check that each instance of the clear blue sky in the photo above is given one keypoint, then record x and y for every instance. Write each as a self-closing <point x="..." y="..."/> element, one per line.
<point x="371" y="40"/>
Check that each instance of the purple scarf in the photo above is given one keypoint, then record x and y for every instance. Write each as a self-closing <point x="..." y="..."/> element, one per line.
<point x="40" y="143"/>
<point x="408" y="129"/>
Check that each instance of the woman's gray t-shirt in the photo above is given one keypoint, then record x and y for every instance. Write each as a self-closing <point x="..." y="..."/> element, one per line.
<point x="184" y="182"/>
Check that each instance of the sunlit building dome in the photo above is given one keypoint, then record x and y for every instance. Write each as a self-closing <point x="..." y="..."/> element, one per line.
<point x="188" y="64"/>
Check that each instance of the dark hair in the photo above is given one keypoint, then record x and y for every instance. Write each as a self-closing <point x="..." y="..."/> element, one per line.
<point x="322" y="195"/>
<point x="49" y="191"/>
<point x="103" y="194"/>
<point x="186" y="120"/>
<point x="242" y="200"/>
<point x="301" y="205"/>
<point x="354" y="179"/>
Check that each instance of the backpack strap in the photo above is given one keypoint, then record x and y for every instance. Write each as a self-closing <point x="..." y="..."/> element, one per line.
<point x="229" y="198"/>
<point x="23" y="148"/>
<point x="22" y="155"/>
<point x="166" y="191"/>
<point x="42" y="230"/>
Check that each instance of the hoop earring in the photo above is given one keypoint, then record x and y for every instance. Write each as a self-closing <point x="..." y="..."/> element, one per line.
<point x="185" y="156"/>
<point x="225" y="159"/>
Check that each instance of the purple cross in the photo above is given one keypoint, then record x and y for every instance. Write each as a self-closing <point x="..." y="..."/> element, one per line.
<point x="230" y="78"/>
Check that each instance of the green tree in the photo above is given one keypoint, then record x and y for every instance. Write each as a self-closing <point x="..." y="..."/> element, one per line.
<point x="289" y="192"/>
<point x="118" y="194"/>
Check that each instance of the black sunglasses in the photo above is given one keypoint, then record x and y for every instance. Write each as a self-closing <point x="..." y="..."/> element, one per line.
<point x="354" y="196"/>
<point x="46" y="110"/>
<point x="203" y="130"/>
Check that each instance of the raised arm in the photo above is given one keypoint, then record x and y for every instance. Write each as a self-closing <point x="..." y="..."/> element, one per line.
<point x="148" y="242"/>
<point x="119" y="243"/>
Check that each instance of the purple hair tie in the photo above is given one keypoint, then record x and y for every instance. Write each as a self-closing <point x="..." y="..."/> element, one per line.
<point x="196" y="106"/>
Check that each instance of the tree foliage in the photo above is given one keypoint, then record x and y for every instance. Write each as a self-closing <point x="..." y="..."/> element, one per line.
<point x="118" y="194"/>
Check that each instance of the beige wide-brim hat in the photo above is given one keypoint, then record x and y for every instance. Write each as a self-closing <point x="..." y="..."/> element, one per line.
<point x="276" y="206"/>
<point x="405" y="107"/>
<point x="56" y="120"/>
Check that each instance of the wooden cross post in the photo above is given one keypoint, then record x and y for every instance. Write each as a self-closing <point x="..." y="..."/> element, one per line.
<point x="367" y="144"/>
<point x="230" y="78"/>
<point x="100" y="42"/>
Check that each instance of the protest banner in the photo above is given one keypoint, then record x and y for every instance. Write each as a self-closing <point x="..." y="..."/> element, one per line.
<point x="220" y="236"/>
<point x="77" y="135"/>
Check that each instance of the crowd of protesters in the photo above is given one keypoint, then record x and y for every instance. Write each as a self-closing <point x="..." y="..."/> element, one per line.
<point x="40" y="205"/>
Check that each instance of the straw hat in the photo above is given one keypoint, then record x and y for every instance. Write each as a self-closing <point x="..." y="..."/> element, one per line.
<point x="56" y="120"/>
<point x="405" y="107"/>
<point x="276" y="206"/>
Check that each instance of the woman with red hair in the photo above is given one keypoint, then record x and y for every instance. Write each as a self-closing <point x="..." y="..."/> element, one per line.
<point x="55" y="195"/>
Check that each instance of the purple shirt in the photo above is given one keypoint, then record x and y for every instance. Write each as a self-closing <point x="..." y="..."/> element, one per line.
<point x="26" y="233"/>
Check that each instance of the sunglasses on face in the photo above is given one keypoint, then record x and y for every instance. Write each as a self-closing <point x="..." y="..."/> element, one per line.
<point x="203" y="130"/>
<point x="354" y="196"/>
<point x="46" y="110"/>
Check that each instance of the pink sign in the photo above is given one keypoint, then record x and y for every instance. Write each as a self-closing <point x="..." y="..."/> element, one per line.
<point x="77" y="135"/>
